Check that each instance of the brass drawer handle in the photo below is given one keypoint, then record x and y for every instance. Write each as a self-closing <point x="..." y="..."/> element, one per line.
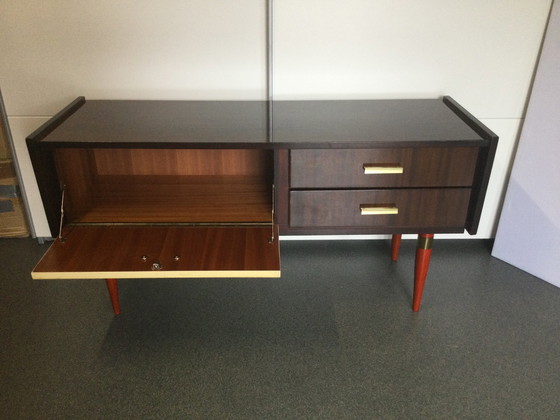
<point x="382" y="168"/>
<point x="378" y="209"/>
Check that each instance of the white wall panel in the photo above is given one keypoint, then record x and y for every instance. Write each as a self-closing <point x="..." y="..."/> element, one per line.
<point x="528" y="236"/>
<point x="20" y="128"/>
<point x="53" y="51"/>
<point x="480" y="52"/>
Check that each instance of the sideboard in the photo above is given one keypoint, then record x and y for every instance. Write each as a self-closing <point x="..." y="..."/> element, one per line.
<point x="162" y="189"/>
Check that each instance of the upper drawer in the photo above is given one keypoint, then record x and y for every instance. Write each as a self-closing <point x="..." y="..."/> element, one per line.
<point x="400" y="167"/>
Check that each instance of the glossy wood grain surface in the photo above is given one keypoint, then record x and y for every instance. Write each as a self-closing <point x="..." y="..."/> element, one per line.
<point x="422" y="167"/>
<point x="245" y="123"/>
<point x="351" y="123"/>
<point x="249" y="162"/>
<point x="165" y="122"/>
<point x="418" y="209"/>
<point x="174" y="199"/>
<point x="116" y="252"/>
<point x="165" y="185"/>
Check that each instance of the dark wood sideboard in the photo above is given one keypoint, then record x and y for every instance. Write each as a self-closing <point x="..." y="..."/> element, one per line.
<point x="161" y="189"/>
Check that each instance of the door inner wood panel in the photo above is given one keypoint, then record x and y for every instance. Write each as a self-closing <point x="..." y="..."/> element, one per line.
<point x="86" y="252"/>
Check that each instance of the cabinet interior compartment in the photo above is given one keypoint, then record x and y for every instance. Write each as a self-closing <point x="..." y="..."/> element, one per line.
<point x="171" y="186"/>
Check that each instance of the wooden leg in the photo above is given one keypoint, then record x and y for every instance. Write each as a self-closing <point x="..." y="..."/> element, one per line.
<point x="395" y="247"/>
<point x="423" y="254"/>
<point x="113" y="288"/>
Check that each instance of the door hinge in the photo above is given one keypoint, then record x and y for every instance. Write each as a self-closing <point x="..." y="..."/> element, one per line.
<point x="61" y="212"/>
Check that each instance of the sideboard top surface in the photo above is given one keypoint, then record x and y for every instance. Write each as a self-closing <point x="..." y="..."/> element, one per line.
<point x="323" y="123"/>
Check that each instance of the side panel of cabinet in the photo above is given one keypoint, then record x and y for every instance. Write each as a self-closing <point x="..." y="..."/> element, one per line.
<point x="44" y="165"/>
<point x="282" y="189"/>
<point x="49" y="185"/>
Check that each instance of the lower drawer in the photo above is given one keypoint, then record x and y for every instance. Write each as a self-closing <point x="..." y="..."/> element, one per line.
<point x="439" y="209"/>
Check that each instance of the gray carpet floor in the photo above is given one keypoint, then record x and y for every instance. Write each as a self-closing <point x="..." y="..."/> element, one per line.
<point x="334" y="338"/>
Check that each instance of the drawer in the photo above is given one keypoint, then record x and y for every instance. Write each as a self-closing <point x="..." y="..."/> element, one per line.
<point x="439" y="209"/>
<point x="386" y="168"/>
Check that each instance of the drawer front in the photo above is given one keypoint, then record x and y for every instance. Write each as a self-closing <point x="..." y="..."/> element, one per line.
<point x="383" y="168"/>
<point x="442" y="209"/>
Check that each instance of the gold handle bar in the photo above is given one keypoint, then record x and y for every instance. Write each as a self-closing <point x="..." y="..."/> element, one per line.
<point x="382" y="168"/>
<point x="378" y="209"/>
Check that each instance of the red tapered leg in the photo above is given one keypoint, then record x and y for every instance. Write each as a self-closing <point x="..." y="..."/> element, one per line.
<point x="395" y="247"/>
<point x="423" y="254"/>
<point x="113" y="288"/>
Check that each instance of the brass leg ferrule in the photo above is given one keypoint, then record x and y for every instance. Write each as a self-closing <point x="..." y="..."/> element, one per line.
<point x="425" y="242"/>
